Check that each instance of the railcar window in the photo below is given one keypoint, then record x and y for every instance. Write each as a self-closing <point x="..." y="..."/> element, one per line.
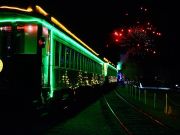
<point x="72" y="58"/>
<point x="92" y="62"/>
<point x="93" y="66"/>
<point x="63" y="56"/>
<point x="57" y="53"/>
<point x="26" y="39"/>
<point x="75" y="60"/>
<point x="90" y="65"/>
<point x="83" y="62"/>
<point x="5" y="39"/>
<point x="80" y="61"/>
<point x="67" y="57"/>
<point x="86" y="63"/>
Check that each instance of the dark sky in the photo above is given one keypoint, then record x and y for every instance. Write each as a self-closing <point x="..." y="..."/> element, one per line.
<point x="93" y="20"/>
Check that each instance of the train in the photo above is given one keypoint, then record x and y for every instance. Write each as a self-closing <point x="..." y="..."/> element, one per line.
<point x="42" y="61"/>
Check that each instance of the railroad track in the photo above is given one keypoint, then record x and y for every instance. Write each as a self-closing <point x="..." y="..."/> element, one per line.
<point x="132" y="119"/>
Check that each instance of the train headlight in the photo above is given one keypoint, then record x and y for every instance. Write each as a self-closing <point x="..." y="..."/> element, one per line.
<point x="1" y="65"/>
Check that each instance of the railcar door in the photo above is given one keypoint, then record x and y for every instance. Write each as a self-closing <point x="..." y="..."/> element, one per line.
<point x="20" y="76"/>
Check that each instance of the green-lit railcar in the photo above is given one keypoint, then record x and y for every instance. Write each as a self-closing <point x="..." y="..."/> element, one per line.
<point x="41" y="60"/>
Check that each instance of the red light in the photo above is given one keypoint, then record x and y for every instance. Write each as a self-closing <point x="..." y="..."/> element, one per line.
<point x="42" y="42"/>
<point x="116" y="33"/>
<point x="30" y="28"/>
<point x="45" y="32"/>
<point x="117" y="40"/>
<point x="6" y="28"/>
<point x="129" y="30"/>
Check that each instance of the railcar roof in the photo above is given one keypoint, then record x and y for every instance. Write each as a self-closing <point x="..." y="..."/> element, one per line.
<point x="37" y="11"/>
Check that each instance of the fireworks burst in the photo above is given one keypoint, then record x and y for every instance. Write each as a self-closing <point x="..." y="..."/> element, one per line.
<point x="139" y="38"/>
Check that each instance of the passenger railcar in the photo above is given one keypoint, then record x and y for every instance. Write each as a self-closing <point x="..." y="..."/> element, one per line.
<point x="41" y="60"/>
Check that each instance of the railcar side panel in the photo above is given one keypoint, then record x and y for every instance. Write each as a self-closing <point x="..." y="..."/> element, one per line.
<point x="42" y="62"/>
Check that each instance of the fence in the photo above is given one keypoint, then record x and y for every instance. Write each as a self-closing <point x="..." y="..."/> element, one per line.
<point x="159" y="101"/>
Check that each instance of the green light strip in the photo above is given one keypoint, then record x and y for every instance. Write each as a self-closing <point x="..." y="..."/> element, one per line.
<point x="12" y="20"/>
<point x="112" y="67"/>
<point x="51" y="67"/>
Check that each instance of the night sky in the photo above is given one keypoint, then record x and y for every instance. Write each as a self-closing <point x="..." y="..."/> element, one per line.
<point x="93" y="21"/>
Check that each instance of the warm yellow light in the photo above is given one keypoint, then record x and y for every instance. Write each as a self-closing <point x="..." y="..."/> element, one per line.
<point x="41" y="11"/>
<point x="29" y="9"/>
<point x="1" y="65"/>
<point x="105" y="59"/>
<point x="70" y="33"/>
